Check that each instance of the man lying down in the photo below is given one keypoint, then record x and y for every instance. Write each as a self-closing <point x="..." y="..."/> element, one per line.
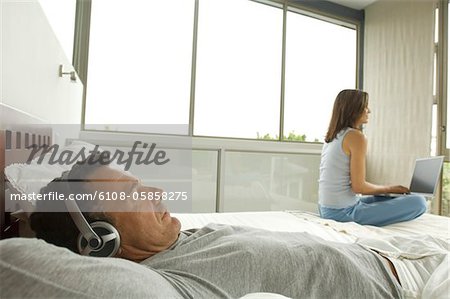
<point x="219" y="261"/>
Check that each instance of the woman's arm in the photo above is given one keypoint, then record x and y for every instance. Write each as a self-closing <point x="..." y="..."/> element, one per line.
<point x="355" y="145"/>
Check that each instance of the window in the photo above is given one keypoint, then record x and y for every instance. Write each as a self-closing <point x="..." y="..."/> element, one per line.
<point x="320" y="62"/>
<point x="238" y="69"/>
<point x="143" y="70"/>
<point x="140" y="56"/>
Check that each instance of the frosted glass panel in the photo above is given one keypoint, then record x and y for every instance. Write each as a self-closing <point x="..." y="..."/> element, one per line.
<point x="238" y="69"/>
<point x="195" y="171"/>
<point x="204" y="181"/>
<point x="173" y="177"/>
<point x="260" y="182"/>
<point x="320" y="61"/>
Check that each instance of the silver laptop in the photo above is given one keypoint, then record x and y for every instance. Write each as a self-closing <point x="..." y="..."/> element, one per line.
<point x="425" y="177"/>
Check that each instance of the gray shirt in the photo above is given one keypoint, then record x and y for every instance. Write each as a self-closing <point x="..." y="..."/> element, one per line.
<point x="222" y="261"/>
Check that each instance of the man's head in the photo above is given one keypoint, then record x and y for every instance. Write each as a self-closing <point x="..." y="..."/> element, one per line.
<point x="145" y="226"/>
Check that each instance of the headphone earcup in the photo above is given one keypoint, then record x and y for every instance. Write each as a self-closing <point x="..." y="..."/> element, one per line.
<point x="110" y="240"/>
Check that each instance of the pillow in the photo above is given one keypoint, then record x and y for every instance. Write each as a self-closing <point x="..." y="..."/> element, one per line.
<point x="34" y="268"/>
<point x="30" y="178"/>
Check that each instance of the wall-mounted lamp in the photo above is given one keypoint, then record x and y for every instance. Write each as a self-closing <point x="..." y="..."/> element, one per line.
<point x="72" y="74"/>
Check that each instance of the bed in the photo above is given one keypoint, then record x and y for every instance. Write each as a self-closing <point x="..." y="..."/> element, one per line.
<point x="42" y="266"/>
<point x="34" y="268"/>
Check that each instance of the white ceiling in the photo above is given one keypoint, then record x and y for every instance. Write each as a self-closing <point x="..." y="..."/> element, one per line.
<point x="356" y="4"/>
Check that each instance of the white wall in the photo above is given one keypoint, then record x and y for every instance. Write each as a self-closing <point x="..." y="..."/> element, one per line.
<point x="30" y="59"/>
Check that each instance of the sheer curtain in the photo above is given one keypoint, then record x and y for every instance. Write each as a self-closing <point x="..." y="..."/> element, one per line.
<point x="398" y="75"/>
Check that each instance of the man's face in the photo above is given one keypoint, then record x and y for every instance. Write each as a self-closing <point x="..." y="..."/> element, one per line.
<point x="146" y="228"/>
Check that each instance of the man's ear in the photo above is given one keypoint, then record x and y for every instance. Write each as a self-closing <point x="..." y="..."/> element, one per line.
<point x="119" y="252"/>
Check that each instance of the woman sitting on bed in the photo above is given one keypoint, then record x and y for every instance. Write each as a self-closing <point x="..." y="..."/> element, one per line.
<point x="343" y="172"/>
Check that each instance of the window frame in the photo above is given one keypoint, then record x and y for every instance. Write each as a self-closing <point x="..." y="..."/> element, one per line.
<point x="441" y="100"/>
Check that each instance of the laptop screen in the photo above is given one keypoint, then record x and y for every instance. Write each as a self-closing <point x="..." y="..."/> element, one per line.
<point x="426" y="175"/>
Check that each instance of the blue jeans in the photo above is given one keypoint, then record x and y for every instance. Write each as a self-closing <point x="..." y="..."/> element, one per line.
<point x="378" y="210"/>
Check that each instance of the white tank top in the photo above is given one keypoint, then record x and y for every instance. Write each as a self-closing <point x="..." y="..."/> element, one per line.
<point x="335" y="189"/>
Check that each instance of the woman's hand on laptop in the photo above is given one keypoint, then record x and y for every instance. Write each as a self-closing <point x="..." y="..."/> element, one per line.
<point x="397" y="189"/>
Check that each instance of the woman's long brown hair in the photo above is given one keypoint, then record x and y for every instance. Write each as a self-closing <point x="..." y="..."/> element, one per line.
<point x="348" y="107"/>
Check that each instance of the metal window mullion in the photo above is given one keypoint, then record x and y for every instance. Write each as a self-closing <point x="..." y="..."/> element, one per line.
<point x="360" y="56"/>
<point x="283" y="74"/>
<point x="220" y="181"/>
<point x="441" y="88"/>
<point x="442" y="77"/>
<point x="193" y="71"/>
<point x="81" y="47"/>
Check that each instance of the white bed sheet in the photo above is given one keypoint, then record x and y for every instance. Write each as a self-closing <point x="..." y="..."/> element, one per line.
<point x="273" y="221"/>
<point x="298" y="221"/>
<point x="427" y="224"/>
<point x="428" y="231"/>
